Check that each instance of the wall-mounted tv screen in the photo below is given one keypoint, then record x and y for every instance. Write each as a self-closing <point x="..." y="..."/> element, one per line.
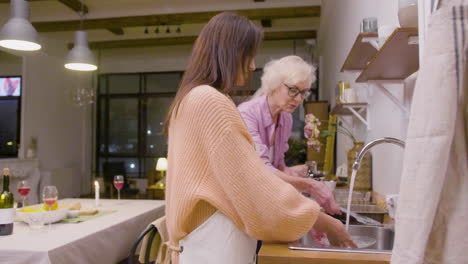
<point x="10" y="86"/>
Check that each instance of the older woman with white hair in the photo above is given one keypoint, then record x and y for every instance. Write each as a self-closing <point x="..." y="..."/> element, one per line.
<point x="285" y="84"/>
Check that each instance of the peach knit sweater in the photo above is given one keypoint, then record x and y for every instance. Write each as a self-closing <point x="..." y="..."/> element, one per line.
<point x="212" y="165"/>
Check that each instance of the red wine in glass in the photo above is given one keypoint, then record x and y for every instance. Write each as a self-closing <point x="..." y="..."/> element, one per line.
<point x="118" y="184"/>
<point x="49" y="196"/>
<point x="23" y="189"/>
<point x="50" y="202"/>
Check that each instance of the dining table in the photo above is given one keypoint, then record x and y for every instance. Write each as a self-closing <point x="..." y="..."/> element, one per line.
<point x="105" y="238"/>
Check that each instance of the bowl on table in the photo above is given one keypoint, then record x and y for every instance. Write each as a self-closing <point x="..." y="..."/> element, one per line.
<point x="73" y="213"/>
<point x="36" y="217"/>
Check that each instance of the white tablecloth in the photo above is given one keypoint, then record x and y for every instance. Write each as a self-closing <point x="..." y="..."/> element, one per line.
<point x="105" y="239"/>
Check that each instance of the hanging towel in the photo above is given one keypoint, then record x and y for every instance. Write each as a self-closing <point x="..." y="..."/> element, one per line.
<point x="432" y="217"/>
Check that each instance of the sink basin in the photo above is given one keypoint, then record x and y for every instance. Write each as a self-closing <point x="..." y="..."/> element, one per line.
<point x="383" y="241"/>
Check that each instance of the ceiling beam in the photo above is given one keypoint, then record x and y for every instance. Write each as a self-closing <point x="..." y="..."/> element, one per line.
<point x="116" y="31"/>
<point x="75" y="5"/>
<point x="175" y="19"/>
<point x="289" y="35"/>
<point x="135" y="43"/>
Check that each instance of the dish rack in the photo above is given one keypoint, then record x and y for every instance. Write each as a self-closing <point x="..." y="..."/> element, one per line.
<point x="361" y="204"/>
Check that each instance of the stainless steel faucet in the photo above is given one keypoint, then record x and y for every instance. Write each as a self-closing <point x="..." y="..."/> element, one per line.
<point x="371" y="144"/>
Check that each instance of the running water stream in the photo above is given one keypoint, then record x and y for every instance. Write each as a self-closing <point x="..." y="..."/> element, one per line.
<point x="350" y="196"/>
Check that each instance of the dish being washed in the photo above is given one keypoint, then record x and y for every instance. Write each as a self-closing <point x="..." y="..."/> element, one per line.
<point x="360" y="241"/>
<point x="363" y="241"/>
<point x="369" y="239"/>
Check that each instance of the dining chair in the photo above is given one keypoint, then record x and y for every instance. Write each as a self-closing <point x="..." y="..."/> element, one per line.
<point x="151" y="230"/>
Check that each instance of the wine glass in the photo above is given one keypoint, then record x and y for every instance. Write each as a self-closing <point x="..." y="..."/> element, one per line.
<point x="118" y="184"/>
<point x="49" y="196"/>
<point x="23" y="188"/>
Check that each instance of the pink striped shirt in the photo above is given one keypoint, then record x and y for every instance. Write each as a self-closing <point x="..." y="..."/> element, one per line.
<point x="258" y="119"/>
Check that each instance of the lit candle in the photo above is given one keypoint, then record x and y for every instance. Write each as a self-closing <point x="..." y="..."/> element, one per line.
<point x="96" y="189"/>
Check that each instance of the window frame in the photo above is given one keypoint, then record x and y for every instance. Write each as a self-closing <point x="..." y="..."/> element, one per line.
<point x="142" y="96"/>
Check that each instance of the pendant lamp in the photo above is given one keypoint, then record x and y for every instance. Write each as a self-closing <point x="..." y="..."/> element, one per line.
<point x="80" y="58"/>
<point x="18" y="33"/>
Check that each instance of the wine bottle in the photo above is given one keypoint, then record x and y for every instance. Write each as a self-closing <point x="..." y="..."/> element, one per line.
<point x="7" y="212"/>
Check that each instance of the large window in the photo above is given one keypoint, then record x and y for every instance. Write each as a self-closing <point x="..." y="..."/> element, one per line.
<point x="10" y="114"/>
<point x="131" y="113"/>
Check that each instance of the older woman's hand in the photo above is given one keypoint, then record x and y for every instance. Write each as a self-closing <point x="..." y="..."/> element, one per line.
<point x="318" y="190"/>
<point x="298" y="170"/>
<point x="323" y="195"/>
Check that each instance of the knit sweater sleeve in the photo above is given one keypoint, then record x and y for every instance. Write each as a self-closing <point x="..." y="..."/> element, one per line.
<point x="244" y="189"/>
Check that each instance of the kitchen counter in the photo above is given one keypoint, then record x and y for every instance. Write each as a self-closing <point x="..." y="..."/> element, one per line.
<point x="281" y="254"/>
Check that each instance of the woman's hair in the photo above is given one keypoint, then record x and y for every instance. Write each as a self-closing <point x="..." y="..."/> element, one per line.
<point x="223" y="50"/>
<point x="290" y="70"/>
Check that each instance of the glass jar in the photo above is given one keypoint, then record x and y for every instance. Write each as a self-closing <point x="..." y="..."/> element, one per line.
<point x="343" y="86"/>
<point x="363" y="179"/>
<point x="369" y="24"/>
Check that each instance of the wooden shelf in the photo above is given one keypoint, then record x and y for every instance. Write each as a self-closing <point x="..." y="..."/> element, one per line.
<point x="343" y="108"/>
<point x="359" y="110"/>
<point x="396" y="60"/>
<point x="361" y="53"/>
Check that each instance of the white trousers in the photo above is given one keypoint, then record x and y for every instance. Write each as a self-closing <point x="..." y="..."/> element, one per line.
<point x="217" y="240"/>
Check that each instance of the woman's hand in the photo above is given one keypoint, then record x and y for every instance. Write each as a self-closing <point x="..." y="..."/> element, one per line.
<point x="335" y="230"/>
<point x="322" y="194"/>
<point x="298" y="170"/>
<point x="318" y="190"/>
<point x="318" y="237"/>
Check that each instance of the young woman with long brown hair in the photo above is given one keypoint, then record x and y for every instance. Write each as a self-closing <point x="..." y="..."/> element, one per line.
<point x="220" y="196"/>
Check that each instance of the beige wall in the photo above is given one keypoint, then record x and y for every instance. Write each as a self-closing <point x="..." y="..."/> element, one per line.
<point x="62" y="129"/>
<point x="10" y="64"/>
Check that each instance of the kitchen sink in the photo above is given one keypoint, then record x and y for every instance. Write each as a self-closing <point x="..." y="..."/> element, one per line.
<point x="383" y="237"/>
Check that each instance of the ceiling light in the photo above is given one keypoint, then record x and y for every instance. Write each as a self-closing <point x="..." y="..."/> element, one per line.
<point x="80" y="58"/>
<point x="18" y="33"/>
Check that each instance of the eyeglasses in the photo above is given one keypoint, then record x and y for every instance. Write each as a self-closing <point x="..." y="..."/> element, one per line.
<point x="293" y="91"/>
